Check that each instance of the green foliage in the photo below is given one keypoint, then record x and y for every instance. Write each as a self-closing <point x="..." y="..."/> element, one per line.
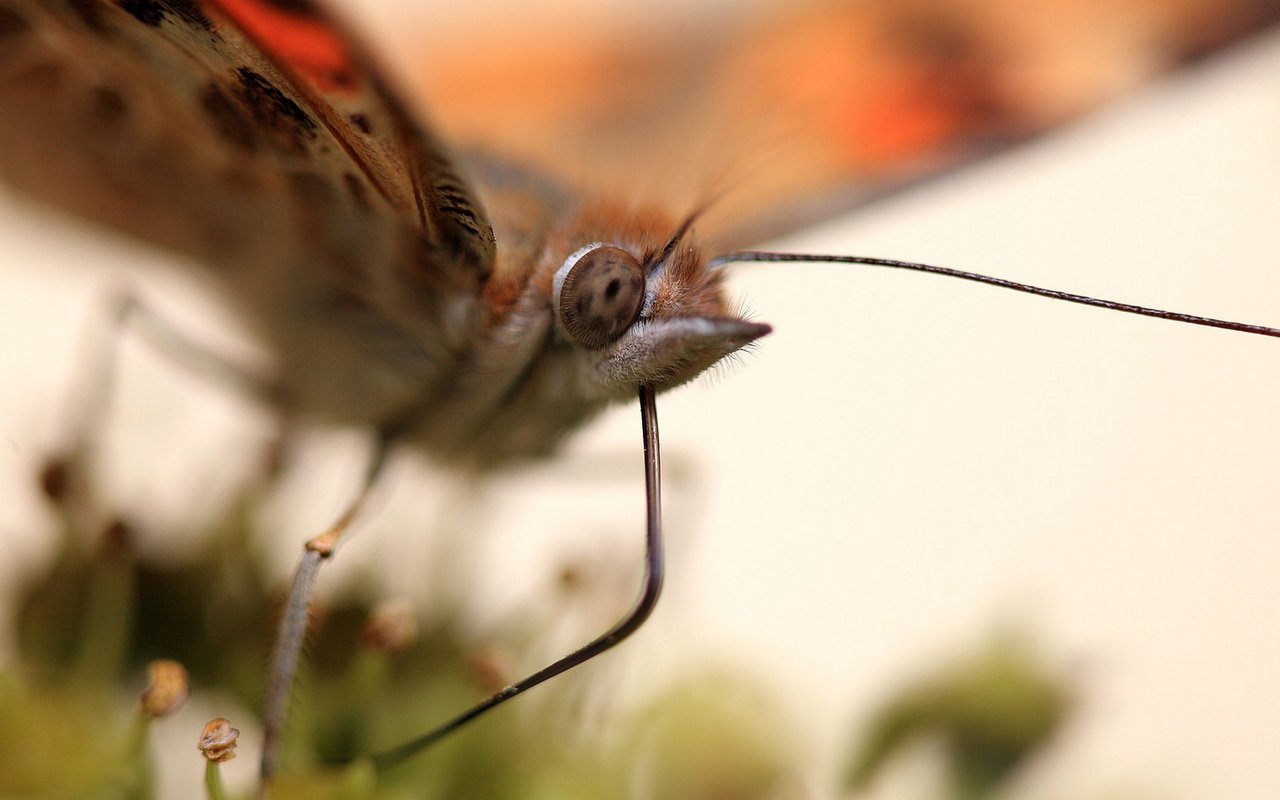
<point x="993" y="712"/>
<point x="91" y="623"/>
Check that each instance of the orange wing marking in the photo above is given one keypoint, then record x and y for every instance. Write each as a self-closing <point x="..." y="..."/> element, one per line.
<point x="309" y="45"/>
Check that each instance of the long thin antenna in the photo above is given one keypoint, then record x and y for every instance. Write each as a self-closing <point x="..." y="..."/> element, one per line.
<point x="1128" y="308"/>
<point x="628" y="625"/>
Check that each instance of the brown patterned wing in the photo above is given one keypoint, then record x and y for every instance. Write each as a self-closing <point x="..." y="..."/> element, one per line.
<point x="246" y="134"/>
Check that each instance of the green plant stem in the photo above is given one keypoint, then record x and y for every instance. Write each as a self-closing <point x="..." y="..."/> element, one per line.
<point x="213" y="781"/>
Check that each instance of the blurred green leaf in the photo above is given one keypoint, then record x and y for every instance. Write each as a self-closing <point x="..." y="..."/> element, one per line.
<point x="993" y="712"/>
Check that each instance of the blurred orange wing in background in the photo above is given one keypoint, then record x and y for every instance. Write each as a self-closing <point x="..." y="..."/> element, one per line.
<point x="790" y="113"/>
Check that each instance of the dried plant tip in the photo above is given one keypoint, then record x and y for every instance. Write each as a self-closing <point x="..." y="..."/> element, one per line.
<point x="218" y="741"/>
<point x="492" y="668"/>
<point x="392" y="627"/>
<point x="55" y="479"/>
<point x="570" y="579"/>
<point x="273" y="458"/>
<point x="167" y="688"/>
<point x="117" y="536"/>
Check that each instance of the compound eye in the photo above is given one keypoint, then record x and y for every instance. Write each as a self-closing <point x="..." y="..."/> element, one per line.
<point x="601" y="296"/>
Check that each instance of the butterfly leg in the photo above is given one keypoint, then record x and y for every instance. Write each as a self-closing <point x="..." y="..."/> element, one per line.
<point x="63" y="476"/>
<point x="296" y="614"/>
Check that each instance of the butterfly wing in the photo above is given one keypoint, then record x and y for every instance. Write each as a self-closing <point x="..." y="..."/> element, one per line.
<point x="227" y="97"/>
<point x="401" y="157"/>
<point x="789" y="113"/>
<point x="255" y="138"/>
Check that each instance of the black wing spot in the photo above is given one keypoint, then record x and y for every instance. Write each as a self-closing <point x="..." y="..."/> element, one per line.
<point x="148" y="12"/>
<point x="460" y="213"/>
<point x="154" y="12"/>
<point x="90" y="13"/>
<point x="301" y="8"/>
<point x="190" y="12"/>
<point x="285" y="122"/>
<point x="362" y="123"/>
<point x="107" y="106"/>
<point x="228" y="119"/>
<point x="12" y="24"/>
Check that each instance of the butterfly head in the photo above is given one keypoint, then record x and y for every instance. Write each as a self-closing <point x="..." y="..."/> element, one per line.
<point x="646" y="315"/>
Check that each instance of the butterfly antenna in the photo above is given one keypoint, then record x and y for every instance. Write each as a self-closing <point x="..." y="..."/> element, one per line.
<point x="682" y="231"/>
<point x="1128" y="308"/>
<point x="628" y="625"/>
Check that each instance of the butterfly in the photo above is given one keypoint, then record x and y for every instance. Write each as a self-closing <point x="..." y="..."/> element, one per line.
<point x="270" y="109"/>
<point x="355" y="241"/>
